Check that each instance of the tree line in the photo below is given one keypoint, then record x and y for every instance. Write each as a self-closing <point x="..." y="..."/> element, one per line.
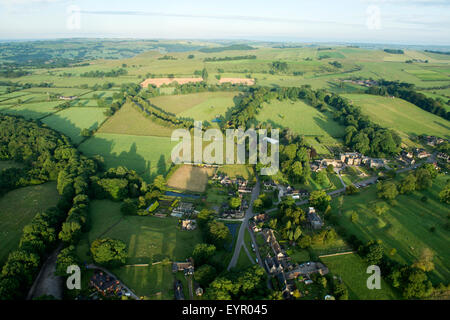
<point x="46" y="155"/>
<point x="101" y="74"/>
<point x="216" y="59"/>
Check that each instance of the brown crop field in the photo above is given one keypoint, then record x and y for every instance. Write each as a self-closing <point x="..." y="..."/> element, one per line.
<point x="160" y="81"/>
<point x="190" y="178"/>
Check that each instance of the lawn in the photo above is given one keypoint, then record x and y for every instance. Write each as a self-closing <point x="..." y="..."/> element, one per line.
<point x="148" y="155"/>
<point x="400" y="115"/>
<point x="405" y="226"/>
<point x="72" y="120"/>
<point x="352" y="270"/>
<point x="301" y="118"/>
<point x="243" y="260"/>
<point x="129" y="120"/>
<point x="17" y="209"/>
<point x="196" y="105"/>
<point x="149" y="240"/>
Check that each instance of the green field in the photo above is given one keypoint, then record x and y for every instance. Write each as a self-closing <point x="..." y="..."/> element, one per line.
<point x="17" y="209"/>
<point x="147" y="155"/>
<point x="215" y="105"/>
<point x="72" y="120"/>
<point x="405" y="226"/>
<point x="130" y="120"/>
<point x="352" y="270"/>
<point x="401" y="115"/>
<point x="199" y="106"/>
<point x="33" y="110"/>
<point x="148" y="239"/>
<point x="301" y="118"/>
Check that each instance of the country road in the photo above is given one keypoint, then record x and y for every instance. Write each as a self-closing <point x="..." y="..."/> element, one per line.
<point x="244" y="224"/>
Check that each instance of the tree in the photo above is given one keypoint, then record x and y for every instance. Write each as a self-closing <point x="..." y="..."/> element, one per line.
<point x="65" y="258"/>
<point x="319" y="199"/>
<point x="204" y="74"/>
<point x="235" y="202"/>
<point x="340" y="291"/>
<point x="86" y="132"/>
<point x="258" y="205"/>
<point x="423" y="179"/>
<point x="202" y="253"/>
<point x="109" y="252"/>
<point x="204" y="217"/>
<point x="444" y="195"/>
<point x="387" y="190"/>
<point x="354" y="216"/>
<point x="408" y="184"/>
<point x="218" y="233"/>
<point x="205" y="274"/>
<point x="425" y="261"/>
<point x="321" y="177"/>
<point x="373" y="252"/>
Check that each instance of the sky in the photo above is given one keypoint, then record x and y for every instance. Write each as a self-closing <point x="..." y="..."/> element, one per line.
<point x="424" y="22"/>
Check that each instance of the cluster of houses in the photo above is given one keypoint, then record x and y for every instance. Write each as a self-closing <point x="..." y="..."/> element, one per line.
<point x="286" y="191"/>
<point x="421" y="153"/>
<point x="243" y="185"/>
<point x="280" y="266"/>
<point x="350" y="159"/>
<point x="105" y="284"/>
<point x="433" y="141"/>
<point x="227" y="212"/>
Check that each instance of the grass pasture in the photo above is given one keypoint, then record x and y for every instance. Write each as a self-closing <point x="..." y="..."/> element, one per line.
<point x="196" y="105"/>
<point x="400" y="115"/>
<point x="72" y="120"/>
<point x="352" y="270"/>
<point x="301" y="118"/>
<point x="129" y="120"/>
<point x="405" y="226"/>
<point x="211" y="107"/>
<point x="190" y="178"/>
<point x="33" y="110"/>
<point x="149" y="240"/>
<point x="148" y="155"/>
<point x="17" y="208"/>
